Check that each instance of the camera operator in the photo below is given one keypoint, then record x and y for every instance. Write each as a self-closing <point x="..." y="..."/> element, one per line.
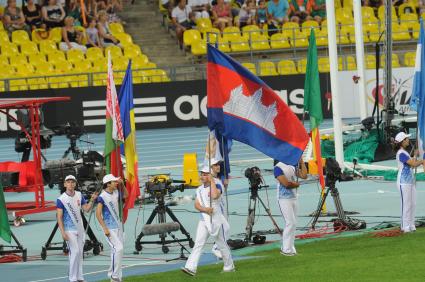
<point x="211" y="224"/>
<point x="215" y="171"/>
<point x="405" y="182"/>
<point x="71" y="226"/>
<point x="287" y="185"/>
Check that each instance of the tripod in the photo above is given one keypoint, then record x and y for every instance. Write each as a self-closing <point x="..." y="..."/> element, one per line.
<point x="253" y="201"/>
<point x="93" y="242"/>
<point x="14" y="249"/>
<point x="76" y="153"/>
<point x="343" y="220"/>
<point x="161" y="210"/>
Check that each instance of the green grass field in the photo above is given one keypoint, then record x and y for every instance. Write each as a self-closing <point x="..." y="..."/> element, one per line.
<point x="359" y="258"/>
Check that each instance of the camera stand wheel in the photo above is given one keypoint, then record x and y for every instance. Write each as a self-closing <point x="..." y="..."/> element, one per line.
<point x="18" y="221"/>
<point x="165" y="249"/>
<point x="43" y="253"/>
<point x="191" y="244"/>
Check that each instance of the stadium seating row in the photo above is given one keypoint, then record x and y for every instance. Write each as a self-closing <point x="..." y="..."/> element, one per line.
<point x="285" y="67"/>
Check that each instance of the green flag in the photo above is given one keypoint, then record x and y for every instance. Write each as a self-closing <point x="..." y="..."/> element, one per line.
<point x="5" y="232"/>
<point x="312" y="96"/>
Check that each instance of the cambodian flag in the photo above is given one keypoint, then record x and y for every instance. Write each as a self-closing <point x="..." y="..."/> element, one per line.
<point x="242" y="107"/>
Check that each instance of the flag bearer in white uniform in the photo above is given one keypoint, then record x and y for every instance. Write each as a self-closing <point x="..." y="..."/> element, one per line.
<point x="108" y="215"/>
<point x="214" y="227"/>
<point x="70" y="222"/>
<point x="287" y="195"/>
<point x="215" y="170"/>
<point x="405" y="182"/>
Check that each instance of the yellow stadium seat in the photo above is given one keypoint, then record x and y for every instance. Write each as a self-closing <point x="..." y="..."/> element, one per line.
<point x="4" y="38"/>
<point x="18" y="84"/>
<point x="259" y="42"/>
<point x="279" y="41"/>
<point x="285" y="67"/>
<point x="158" y="75"/>
<point x="82" y="30"/>
<point x="130" y="52"/>
<point x="344" y="15"/>
<point x="64" y="67"/>
<point x="34" y="59"/>
<point x="415" y="30"/>
<point x="24" y="70"/>
<point x="231" y="32"/>
<point x="406" y="8"/>
<point x="7" y="72"/>
<point x="342" y="38"/>
<point x="94" y="53"/>
<point x="211" y="34"/>
<point x="409" y="59"/>
<point x="267" y="69"/>
<point x="116" y="28"/>
<point x="190" y="36"/>
<point x="139" y="62"/>
<point x="250" y="67"/>
<point x="47" y="46"/>
<point x="395" y="62"/>
<point x="203" y="24"/>
<point x="58" y="81"/>
<point x="82" y="66"/>
<point x="199" y="48"/>
<point x="124" y="38"/>
<point x="351" y="63"/>
<point x="9" y="49"/>
<point x="20" y="36"/>
<point x="44" y="68"/>
<point x="370" y="62"/>
<point x="400" y="33"/>
<point x="322" y="37"/>
<point x="289" y="29"/>
<point x="56" y="34"/>
<point x="101" y="65"/>
<point x="239" y="44"/>
<point x="323" y="64"/>
<point x="120" y="64"/>
<point x="302" y="65"/>
<point x="223" y="45"/>
<point x="250" y="31"/>
<point x="300" y="40"/>
<point x="114" y="50"/>
<point x="368" y="12"/>
<point x="37" y="83"/>
<point x="39" y="34"/>
<point x="1" y="13"/>
<point x="18" y="60"/>
<point x="29" y="48"/>
<point x="409" y="20"/>
<point x="381" y="13"/>
<point x="308" y="25"/>
<point x="75" y="55"/>
<point x="57" y="56"/>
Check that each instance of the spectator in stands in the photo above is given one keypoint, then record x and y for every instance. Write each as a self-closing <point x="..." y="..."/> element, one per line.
<point x="277" y="12"/>
<point x="421" y="7"/>
<point x="396" y="3"/>
<point x="75" y="11"/>
<point x="247" y="14"/>
<point x="373" y="3"/>
<point x="93" y="39"/>
<point x="318" y="10"/>
<point x="200" y="8"/>
<point x="105" y="35"/>
<point x="14" y="18"/>
<point x="53" y="14"/>
<point x="181" y="20"/>
<point x="71" y="37"/>
<point x="32" y="13"/>
<point x="261" y="15"/>
<point x="112" y="7"/>
<point x="222" y="15"/>
<point x="300" y="11"/>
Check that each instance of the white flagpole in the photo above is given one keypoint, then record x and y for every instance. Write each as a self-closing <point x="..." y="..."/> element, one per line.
<point x="333" y="60"/>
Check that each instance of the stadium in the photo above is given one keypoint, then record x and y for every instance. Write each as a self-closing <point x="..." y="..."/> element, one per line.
<point x="290" y="131"/>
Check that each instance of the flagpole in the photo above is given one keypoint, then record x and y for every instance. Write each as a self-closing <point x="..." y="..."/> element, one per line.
<point x="209" y="168"/>
<point x="119" y="172"/>
<point x="225" y="176"/>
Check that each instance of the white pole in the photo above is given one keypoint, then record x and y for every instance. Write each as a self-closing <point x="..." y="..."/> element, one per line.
<point x="358" y="21"/>
<point x="333" y="61"/>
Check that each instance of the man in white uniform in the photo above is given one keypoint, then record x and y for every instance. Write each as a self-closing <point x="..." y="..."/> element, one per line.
<point x="287" y="195"/>
<point x="212" y="224"/>
<point x="107" y="214"/>
<point x="70" y="222"/>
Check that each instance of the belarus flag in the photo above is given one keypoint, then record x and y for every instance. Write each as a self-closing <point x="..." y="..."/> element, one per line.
<point x="242" y="107"/>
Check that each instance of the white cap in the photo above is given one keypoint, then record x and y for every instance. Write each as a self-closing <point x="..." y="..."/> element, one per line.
<point x="401" y="136"/>
<point x="205" y="169"/>
<point x="70" y="177"/>
<point x="109" y="177"/>
<point x="215" y="161"/>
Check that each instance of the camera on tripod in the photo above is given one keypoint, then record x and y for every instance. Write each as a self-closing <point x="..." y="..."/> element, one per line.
<point x="161" y="185"/>
<point x="333" y="172"/>
<point x="71" y="130"/>
<point x="254" y="177"/>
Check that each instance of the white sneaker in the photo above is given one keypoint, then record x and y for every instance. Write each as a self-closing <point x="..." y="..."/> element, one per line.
<point x="287" y="254"/>
<point x="228" y="270"/>
<point x="217" y="252"/>
<point x="188" y="271"/>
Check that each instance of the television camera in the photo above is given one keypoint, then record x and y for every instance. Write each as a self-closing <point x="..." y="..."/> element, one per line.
<point x="160" y="185"/>
<point x="254" y="177"/>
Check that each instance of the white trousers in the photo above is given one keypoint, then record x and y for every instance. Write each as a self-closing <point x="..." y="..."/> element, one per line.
<point x="226" y="230"/>
<point x="201" y="14"/>
<point x="116" y="242"/>
<point x="75" y="255"/>
<point x="202" y="236"/>
<point x="408" y="207"/>
<point x="288" y="208"/>
<point x="64" y="47"/>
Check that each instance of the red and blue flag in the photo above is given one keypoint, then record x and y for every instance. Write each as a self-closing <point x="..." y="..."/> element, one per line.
<point x="242" y="107"/>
